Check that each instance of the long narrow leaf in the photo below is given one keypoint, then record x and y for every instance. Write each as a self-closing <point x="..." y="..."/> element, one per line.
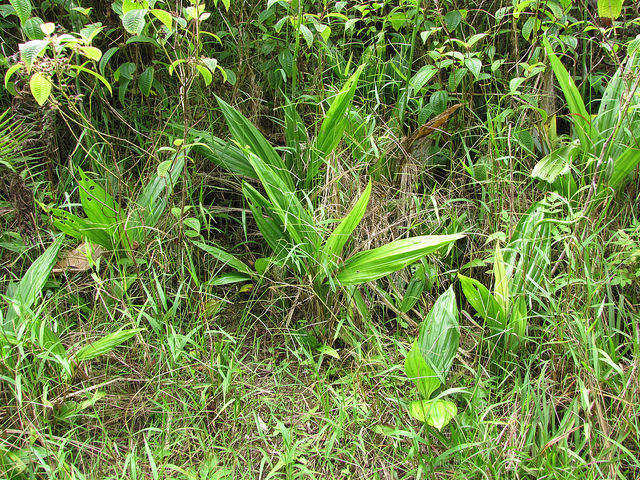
<point x="336" y="241"/>
<point x="105" y="344"/>
<point x="580" y="116"/>
<point x="24" y="293"/>
<point x="379" y="262"/>
<point x="247" y="135"/>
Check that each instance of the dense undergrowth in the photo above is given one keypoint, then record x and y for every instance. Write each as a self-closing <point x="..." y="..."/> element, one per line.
<point x="294" y="239"/>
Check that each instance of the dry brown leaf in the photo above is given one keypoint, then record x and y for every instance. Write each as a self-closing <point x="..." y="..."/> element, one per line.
<point x="431" y="126"/>
<point x="77" y="260"/>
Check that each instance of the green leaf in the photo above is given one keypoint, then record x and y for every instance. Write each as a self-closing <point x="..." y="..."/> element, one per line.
<point x="81" y="228"/>
<point x="105" y="344"/>
<point x="32" y="28"/>
<point x="422" y="76"/>
<point x="452" y="19"/>
<point x="306" y="33"/>
<point x="297" y="221"/>
<point x="474" y="65"/>
<point x="151" y="202"/>
<point x="91" y="72"/>
<point x="270" y="227"/>
<point x="436" y="413"/>
<point x="91" y="52"/>
<point x="40" y="87"/>
<point x="484" y="303"/>
<point x="502" y="281"/>
<point x="556" y="164"/>
<point x="414" y="290"/>
<point x="98" y="205"/>
<point x="417" y="369"/>
<point x="439" y="334"/>
<point x="164" y="17"/>
<point x="23" y="9"/>
<point x="334" y="124"/>
<point x="10" y="72"/>
<point x="24" y="293"/>
<point x="205" y="73"/>
<point x="379" y="262"/>
<point x="211" y="64"/>
<point x="580" y="117"/>
<point x="335" y="243"/>
<point x="134" y="21"/>
<point x="622" y="168"/>
<point x="225" y="257"/>
<point x="610" y="8"/>
<point x="247" y="135"/>
<point x="145" y="81"/>
<point x="31" y="50"/>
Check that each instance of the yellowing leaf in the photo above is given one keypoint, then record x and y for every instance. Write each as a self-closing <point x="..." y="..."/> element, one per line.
<point x="91" y="52"/>
<point x="40" y="87"/>
<point x="437" y="413"/>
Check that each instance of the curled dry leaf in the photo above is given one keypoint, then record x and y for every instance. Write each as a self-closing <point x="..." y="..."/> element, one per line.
<point x="77" y="260"/>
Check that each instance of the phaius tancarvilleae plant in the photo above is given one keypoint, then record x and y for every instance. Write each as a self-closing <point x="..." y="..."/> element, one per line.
<point x="289" y="223"/>
<point x="606" y="150"/>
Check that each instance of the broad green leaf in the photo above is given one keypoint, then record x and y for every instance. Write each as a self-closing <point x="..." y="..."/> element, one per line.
<point x="295" y="134"/>
<point x="145" y="81"/>
<point x="335" y="243"/>
<point x="502" y="280"/>
<point x="32" y="28"/>
<point x="306" y="34"/>
<point x="379" y="262"/>
<point x="134" y="21"/>
<point x="105" y="344"/>
<point x="25" y="292"/>
<point x="211" y="64"/>
<point x="99" y="206"/>
<point x="224" y="154"/>
<point x="452" y="19"/>
<point x="623" y="166"/>
<point x="474" y="65"/>
<point x="423" y="75"/>
<point x="23" y="9"/>
<point x="556" y="164"/>
<point x="610" y="8"/>
<point x="47" y="28"/>
<point x="436" y="413"/>
<point x="269" y="225"/>
<point x="91" y="52"/>
<point x="106" y="57"/>
<point x="31" y="50"/>
<point x="40" y="88"/>
<point x="517" y="323"/>
<point x="527" y="255"/>
<point x="205" y="73"/>
<point x="152" y="202"/>
<point x="483" y="302"/>
<point x="247" y="135"/>
<point x="296" y="220"/>
<point x="417" y="369"/>
<point x="414" y="290"/>
<point x="164" y="16"/>
<point x="80" y="228"/>
<point x="47" y="339"/>
<point x="439" y="334"/>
